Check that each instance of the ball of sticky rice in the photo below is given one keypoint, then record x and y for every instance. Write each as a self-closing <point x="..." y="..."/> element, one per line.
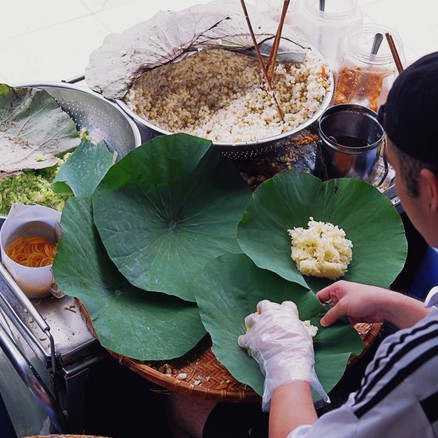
<point x="311" y="329"/>
<point x="321" y="250"/>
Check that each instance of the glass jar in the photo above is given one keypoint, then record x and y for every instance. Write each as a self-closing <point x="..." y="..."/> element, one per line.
<point x="324" y="28"/>
<point x="364" y="77"/>
<point x="273" y="9"/>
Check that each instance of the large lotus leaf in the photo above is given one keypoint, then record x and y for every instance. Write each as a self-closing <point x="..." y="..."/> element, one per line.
<point x="84" y="170"/>
<point x="171" y="35"/>
<point x="167" y="208"/>
<point x="33" y="129"/>
<point x="290" y="198"/>
<point x="126" y="320"/>
<point x="229" y="288"/>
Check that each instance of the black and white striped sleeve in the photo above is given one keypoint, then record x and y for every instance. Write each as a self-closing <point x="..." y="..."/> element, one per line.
<point x="399" y="391"/>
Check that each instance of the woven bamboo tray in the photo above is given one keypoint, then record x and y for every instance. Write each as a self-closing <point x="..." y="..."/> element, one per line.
<point x="200" y="374"/>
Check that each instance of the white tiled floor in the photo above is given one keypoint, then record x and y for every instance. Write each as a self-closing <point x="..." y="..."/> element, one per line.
<point x="50" y="40"/>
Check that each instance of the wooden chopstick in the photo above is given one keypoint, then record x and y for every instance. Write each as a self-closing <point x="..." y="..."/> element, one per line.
<point x="260" y="58"/>
<point x="256" y="46"/>
<point x="394" y="52"/>
<point x="272" y="60"/>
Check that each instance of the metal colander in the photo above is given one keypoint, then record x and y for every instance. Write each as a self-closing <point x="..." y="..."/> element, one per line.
<point x="101" y="118"/>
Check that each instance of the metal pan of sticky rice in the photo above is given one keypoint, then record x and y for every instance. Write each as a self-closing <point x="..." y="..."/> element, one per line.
<point x="200" y="74"/>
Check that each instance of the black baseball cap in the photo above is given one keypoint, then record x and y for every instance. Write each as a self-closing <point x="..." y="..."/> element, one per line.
<point x="410" y="114"/>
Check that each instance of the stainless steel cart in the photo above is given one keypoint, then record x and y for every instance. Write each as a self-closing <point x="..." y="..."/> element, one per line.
<point x="45" y="359"/>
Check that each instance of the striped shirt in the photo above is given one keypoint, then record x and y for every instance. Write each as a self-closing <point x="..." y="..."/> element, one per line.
<point x="399" y="391"/>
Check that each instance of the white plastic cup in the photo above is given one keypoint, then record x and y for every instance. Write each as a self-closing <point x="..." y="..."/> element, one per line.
<point x="29" y="221"/>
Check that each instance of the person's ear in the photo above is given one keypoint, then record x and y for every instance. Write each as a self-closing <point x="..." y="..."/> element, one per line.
<point x="430" y="185"/>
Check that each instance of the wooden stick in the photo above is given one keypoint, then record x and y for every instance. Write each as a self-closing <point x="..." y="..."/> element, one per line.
<point x="256" y="46"/>
<point x="394" y="52"/>
<point x="260" y="58"/>
<point x="272" y="60"/>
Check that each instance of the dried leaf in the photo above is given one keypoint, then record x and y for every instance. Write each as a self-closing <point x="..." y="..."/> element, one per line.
<point x="170" y="36"/>
<point x="33" y="130"/>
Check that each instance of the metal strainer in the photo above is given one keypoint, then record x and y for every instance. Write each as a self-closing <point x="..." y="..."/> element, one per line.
<point x="101" y="118"/>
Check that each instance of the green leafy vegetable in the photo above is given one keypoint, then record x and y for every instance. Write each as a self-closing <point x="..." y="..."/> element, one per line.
<point x="290" y="198"/>
<point x="229" y="288"/>
<point x="126" y="320"/>
<point x="31" y="187"/>
<point x="167" y="208"/>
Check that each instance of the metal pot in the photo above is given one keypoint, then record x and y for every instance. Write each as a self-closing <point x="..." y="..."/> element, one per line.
<point x="350" y="142"/>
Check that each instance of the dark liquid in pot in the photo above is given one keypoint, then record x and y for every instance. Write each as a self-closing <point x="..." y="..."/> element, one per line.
<point x="351" y="142"/>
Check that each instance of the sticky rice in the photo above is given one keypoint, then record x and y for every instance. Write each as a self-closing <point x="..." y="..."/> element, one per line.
<point x="321" y="250"/>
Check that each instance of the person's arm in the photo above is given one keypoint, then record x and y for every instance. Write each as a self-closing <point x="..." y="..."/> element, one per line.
<point x="283" y="348"/>
<point x="291" y="406"/>
<point x="363" y="303"/>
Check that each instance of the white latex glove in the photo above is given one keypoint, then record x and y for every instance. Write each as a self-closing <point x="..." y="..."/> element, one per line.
<point x="279" y="342"/>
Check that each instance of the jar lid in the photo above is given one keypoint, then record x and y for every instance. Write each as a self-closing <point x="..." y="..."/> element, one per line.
<point x="359" y="44"/>
<point x="333" y="10"/>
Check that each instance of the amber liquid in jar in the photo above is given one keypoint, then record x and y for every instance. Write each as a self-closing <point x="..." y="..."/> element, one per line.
<point x="357" y="85"/>
<point x="362" y="75"/>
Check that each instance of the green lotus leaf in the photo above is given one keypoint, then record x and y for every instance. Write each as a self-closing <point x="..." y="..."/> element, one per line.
<point x="84" y="169"/>
<point x="167" y="208"/>
<point x="33" y="129"/>
<point x="290" y="198"/>
<point x="126" y="320"/>
<point x="228" y="289"/>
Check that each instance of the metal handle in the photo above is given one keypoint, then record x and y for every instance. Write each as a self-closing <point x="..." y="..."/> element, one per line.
<point x="75" y="79"/>
<point x="32" y="379"/>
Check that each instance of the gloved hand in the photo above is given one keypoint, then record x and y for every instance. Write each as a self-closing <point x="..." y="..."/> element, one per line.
<point x="283" y="348"/>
